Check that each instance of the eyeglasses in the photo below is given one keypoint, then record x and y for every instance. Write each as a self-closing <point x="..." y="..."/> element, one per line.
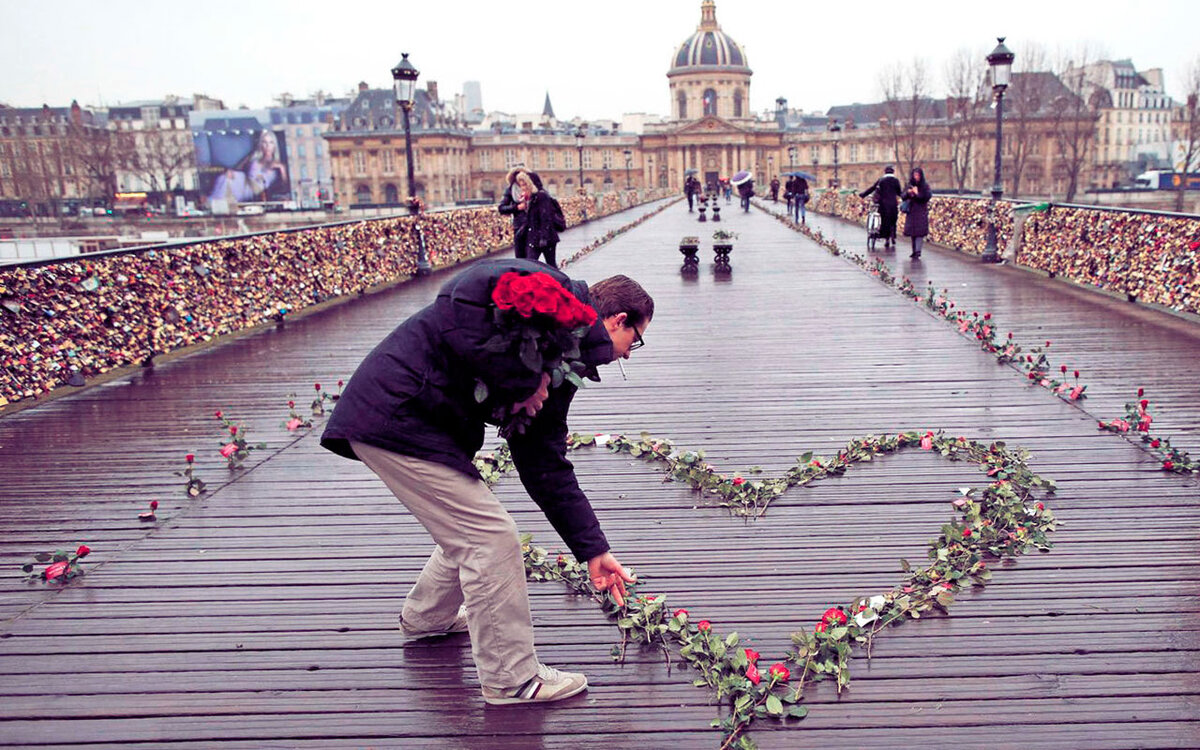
<point x="638" y="341"/>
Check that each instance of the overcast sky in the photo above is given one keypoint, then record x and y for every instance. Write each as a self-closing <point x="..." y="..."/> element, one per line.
<point x="596" y="59"/>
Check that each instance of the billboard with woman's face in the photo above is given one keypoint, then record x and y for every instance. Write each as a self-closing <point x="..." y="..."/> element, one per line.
<point x="240" y="159"/>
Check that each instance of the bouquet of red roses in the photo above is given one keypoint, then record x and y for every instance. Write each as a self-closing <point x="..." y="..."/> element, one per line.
<point x="544" y="323"/>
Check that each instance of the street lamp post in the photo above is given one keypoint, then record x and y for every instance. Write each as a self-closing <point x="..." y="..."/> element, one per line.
<point x="792" y="157"/>
<point x="580" y="134"/>
<point x="1001" y="61"/>
<point x="628" y="164"/>
<point x="835" y="131"/>
<point x="405" y="77"/>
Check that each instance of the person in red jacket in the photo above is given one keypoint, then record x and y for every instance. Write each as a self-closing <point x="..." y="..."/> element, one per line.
<point x="411" y="413"/>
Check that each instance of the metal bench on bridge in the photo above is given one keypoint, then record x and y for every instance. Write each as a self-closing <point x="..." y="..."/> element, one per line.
<point x="690" y="247"/>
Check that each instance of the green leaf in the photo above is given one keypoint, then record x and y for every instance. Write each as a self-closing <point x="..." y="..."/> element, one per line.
<point x="497" y="344"/>
<point x="731" y="639"/>
<point x="574" y="379"/>
<point x="798" y="712"/>
<point x="904" y="565"/>
<point x="530" y="356"/>
<point x="556" y="378"/>
<point x="774" y="705"/>
<point x="481" y="391"/>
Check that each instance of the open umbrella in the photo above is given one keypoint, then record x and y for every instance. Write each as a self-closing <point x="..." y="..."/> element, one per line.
<point x="687" y="172"/>
<point x="740" y="177"/>
<point x="805" y="175"/>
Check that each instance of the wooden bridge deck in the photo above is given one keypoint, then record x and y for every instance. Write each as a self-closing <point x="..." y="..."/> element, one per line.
<point x="263" y="615"/>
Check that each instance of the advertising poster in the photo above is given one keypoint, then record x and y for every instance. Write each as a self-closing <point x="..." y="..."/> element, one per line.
<point x="240" y="159"/>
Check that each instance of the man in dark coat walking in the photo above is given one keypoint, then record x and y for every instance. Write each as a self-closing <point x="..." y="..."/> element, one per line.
<point x="887" y="196"/>
<point x="411" y="414"/>
<point x="691" y="187"/>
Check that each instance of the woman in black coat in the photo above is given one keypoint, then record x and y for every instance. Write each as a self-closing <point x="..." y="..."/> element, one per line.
<point x="916" y="224"/>
<point x="545" y="220"/>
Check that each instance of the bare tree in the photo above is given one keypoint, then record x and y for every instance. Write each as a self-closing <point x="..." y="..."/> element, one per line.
<point x="1188" y="129"/>
<point x="1025" y="103"/>
<point x="906" y="104"/>
<point x="1075" y="113"/>
<point x="964" y="76"/>
<point x="95" y="153"/>
<point x="158" y="157"/>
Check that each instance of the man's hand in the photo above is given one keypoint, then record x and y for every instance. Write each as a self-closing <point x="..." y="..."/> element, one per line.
<point x="607" y="574"/>
<point x="533" y="404"/>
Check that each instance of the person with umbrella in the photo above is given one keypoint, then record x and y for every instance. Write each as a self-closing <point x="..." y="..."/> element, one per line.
<point x="691" y="186"/>
<point x="745" y="185"/>
<point x="797" y="187"/>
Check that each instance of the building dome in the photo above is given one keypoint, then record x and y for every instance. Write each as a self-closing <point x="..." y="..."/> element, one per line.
<point x="709" y="46"/>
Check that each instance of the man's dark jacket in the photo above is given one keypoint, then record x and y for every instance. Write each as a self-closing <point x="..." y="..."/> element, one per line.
<point x="414" y="395"/>
<point x="887" y="191"/>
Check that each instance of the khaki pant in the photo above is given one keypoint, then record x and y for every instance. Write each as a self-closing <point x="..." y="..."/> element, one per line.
<point x="477" y="561"/>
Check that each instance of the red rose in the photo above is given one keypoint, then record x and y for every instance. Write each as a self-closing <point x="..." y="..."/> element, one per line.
<point x="217" y="414"/>
<point x="966" y="532"/>
<point x="341" y="383"/>
<point x="83" y="551"/>
<point x="752" y="655"/>
<point x="737" y="481"/>
<point x="703" y="625"/>
<point x="503" y="294"/>
<point x="292" y="404"/>
<point x="153" y="505"/>
<point x="752" y="674"/>
<point x="523" y="289"/>
<point x="1141" y="392"/>
<point x="1168" y="465"/>
<point x="987" y="316"/>
<point x="680" y="613"/>
<point x="546" y="302"/>
<point x="189" y="458"/>
<point x="316" y="386"/>
<point x="232" y="429"/>
<point x="834" y="616"/>
<point x="1064" y="369"/>
<point x="229" y="449"/>
<point x="1145" y="403"/>
<point x="1154" y="443"/>
<point x="1077" y="373"/>
<point x="1041" y="507"/>
<point x="820" y="627"/>
<point x="54" y="570"/>
<point x="779" y="671"/>
<point x="1047" y="343"/>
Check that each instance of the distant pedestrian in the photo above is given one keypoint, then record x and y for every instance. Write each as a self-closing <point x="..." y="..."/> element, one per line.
<point x="887" y="191"/>
<point x="916" y="224"/>
<point x="514" y="205"/>
<point x="799" y="191"/>
<point x="774" y="189"/>
<point x="544" y="220"/>
<point x="691" y="187"/>
<point x="745" y="192"/>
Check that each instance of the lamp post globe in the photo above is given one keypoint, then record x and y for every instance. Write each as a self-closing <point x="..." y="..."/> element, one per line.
<point x="580" y="134"/>
<point x="1000" y="61"/>
<point x="835" y="132"/>
<point x="404" y="76"/>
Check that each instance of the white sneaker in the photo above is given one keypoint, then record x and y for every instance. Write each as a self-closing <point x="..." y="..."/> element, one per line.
<point x="548" y="684"/>
<point x="458" y="626"/>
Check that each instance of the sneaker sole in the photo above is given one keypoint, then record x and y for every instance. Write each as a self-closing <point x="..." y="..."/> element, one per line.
<point x="511" y="701"/>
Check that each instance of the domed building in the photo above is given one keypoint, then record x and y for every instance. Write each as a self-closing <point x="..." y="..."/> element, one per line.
<point x="709" y="74"/>
<point x="711" y="128"/>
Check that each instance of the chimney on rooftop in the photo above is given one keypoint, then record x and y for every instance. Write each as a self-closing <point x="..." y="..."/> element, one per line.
<point x="362" y="86"/>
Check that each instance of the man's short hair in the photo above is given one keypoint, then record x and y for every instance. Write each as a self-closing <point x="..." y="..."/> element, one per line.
<point x="889" y="169"/>
<point x="621" y="294"/>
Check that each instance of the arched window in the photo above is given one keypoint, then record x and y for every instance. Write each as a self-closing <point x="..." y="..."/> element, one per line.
<point x="737" y="103"/>
<point x="710" y="102"/>
<point x="362" y="194"/>
<point x="682" y="97"/>
<point x="390" y="194"/>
